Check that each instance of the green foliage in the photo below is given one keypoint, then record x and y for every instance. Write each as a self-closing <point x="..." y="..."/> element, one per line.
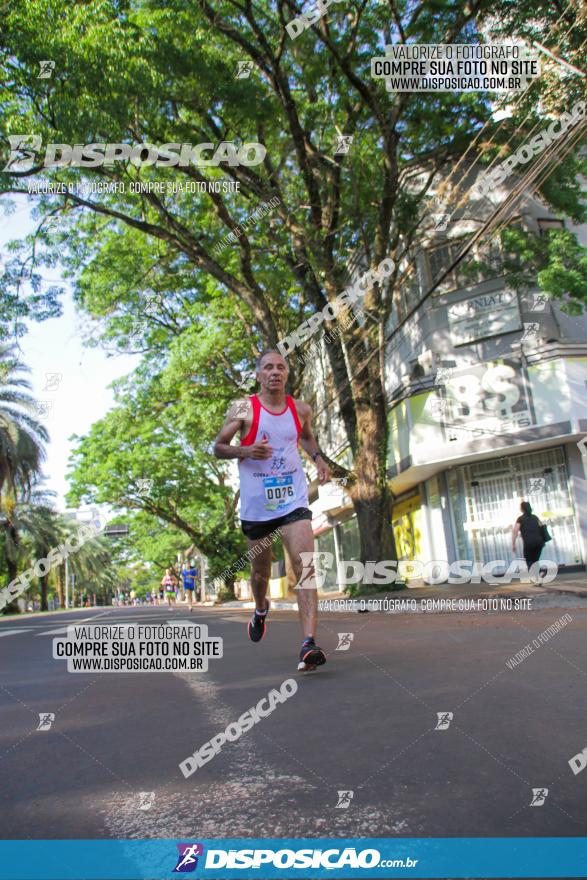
<point x="164" y="72"/>
<point x="21" y="434"/>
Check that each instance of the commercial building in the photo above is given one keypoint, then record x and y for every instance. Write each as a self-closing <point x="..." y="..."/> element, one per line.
<point x="487" y="392"/>
<point x="487" y="389"/>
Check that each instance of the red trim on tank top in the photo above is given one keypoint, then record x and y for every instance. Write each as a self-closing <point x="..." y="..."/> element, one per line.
<point x="250" y="438"/>
<point x="294" y="412"/>
<point x="272" y="413"/>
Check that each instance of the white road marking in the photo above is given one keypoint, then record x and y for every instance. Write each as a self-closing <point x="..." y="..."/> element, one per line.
<point x="53" y="632"/>
<point x="11" y="632"/>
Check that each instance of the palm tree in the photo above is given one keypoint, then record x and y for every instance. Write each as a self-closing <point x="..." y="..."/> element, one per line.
<point x="42" y="528"/>
<point x="94" y="568"/>
<point x="21" y="434"/>
<point x="30" y="526"/>
<point x="21" y="449"/>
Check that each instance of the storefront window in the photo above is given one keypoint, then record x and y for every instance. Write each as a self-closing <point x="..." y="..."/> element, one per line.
<point x="485" y="500"/>
<point x="350" y="543"/>
<point x="459" y="512"/>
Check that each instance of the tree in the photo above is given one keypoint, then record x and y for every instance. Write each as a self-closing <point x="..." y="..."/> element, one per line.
<point x="39" y="528"/>
<point x="21" y="451"/>
<point x="140" y="458"/>
<point x="21" y="434"/>
<point x="171" y="80"/>
<point x="93" y="567"/>
<point x="32" y="528"/>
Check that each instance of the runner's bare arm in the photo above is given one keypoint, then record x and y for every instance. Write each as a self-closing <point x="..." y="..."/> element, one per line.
<point x="308" y="441"/>
<point x="223" y="447"/>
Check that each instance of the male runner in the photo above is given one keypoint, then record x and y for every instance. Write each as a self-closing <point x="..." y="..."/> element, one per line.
<point x="274" y="491"/>
<point x="188" y="576"/>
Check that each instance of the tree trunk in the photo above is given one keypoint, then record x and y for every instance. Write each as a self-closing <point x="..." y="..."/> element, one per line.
<point x="60" y="586"/>
<point x="371" y="495"/>
<point x="43" y="586"/>
<point x="12" y="569"/>
<point x="227" y="591"/>
<point x="12" y="607"/>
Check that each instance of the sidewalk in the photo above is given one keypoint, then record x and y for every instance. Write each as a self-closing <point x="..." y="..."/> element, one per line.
<point x="574" y="584"/>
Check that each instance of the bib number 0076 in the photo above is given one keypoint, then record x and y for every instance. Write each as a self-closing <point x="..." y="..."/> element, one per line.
<point x="279" y="492"/>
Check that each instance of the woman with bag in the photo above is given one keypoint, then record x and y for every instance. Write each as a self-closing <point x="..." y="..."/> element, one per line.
<point x="534" y="535"/>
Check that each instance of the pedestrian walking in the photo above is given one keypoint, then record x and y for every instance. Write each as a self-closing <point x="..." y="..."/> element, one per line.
<point x="533" y="533"/>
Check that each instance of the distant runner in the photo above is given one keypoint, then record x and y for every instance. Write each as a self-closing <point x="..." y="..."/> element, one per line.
<point x="188" y="576"/>
<point x="274" y="491"/>
<point x="169" y="583"/>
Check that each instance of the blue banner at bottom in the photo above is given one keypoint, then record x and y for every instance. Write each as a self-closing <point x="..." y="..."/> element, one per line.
<point x="466" y="857"/>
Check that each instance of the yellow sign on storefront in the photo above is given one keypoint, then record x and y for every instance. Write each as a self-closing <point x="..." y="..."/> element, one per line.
<point x="407" y="527"/>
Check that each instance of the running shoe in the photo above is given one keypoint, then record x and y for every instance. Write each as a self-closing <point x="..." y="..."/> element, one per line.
<point x="311" y="656"/>
<point x="257" y="625"/>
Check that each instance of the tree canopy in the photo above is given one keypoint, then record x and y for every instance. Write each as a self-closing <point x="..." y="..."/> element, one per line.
<point x="166" y="73"/>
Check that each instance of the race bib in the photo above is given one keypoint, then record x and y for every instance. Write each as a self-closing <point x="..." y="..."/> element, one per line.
<point x="279" y="492"/>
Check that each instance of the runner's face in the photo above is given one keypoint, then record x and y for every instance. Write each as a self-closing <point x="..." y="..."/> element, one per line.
<point x="273" y="373"/>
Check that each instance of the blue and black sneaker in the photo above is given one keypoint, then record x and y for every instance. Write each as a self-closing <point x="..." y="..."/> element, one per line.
<point x="257" y="624"/>
<point x="311" y="656"/>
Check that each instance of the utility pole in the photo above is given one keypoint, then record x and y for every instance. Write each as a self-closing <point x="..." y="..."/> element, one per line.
<point x="66" y="583"/>
<point x="202" y="580"/>
<point x="180" y="589"/>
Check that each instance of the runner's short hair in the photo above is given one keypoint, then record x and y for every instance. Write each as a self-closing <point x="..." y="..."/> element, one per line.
<point x="263" y="353"/>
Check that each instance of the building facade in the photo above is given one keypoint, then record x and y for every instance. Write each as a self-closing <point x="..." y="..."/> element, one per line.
<point x="487" y="391"/>
<point x="486" y="386"/>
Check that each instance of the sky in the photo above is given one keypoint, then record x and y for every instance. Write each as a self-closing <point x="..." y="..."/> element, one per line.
<point x="76" y="392"/>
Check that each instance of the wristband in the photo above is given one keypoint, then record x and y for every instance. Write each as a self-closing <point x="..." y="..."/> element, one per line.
<point x="315" y="455"/>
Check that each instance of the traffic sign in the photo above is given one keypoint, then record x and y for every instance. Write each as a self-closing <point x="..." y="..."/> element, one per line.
<point x="116" y="530"/>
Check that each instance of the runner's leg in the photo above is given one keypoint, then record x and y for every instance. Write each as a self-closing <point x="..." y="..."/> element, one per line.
<point x="298" y="538"/>
<point x="260" y="553"/>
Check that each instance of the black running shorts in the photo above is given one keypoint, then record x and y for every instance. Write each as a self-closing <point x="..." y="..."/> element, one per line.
<point x="256" y="529"/>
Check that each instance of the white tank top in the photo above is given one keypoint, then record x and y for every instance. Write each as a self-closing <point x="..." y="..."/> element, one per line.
<point x="273" y="487"/>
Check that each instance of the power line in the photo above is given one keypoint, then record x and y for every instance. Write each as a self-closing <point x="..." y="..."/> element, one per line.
<point x="487" y="226"/>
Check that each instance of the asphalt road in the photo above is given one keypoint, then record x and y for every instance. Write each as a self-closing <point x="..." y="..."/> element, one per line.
<point x="363" y="723"/>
